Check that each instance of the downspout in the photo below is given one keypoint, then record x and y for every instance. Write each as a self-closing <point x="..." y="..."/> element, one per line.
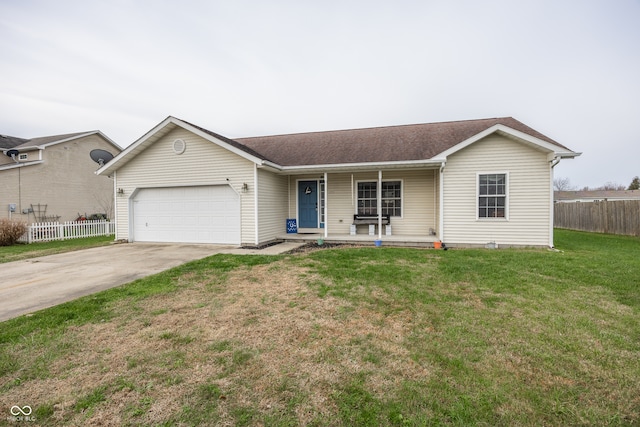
<point x="553" y="164"/>
<point x="441" y="195"/>
<point x="379" y="204"/>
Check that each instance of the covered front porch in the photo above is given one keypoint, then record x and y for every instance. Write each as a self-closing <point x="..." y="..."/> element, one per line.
<point x="398" y="206"/>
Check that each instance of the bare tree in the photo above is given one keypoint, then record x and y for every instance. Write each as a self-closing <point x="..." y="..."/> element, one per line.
<point x="106" y="203"/>
<point x="562" y="184"/>
<point x="612" y="186"/>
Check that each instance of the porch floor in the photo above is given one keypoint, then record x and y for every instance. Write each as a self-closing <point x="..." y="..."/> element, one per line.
<point x="414" y="241"/>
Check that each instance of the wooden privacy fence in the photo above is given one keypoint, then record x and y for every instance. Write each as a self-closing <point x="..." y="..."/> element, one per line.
<point x="46" y="231"/>
<point x="614" y="217"/>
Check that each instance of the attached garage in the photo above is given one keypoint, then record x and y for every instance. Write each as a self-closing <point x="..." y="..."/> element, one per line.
<point x="198" y="214"/>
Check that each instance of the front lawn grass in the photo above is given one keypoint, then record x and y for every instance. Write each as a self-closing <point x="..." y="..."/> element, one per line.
<point x="22" y="251"/>
<point x="343" y="337"/>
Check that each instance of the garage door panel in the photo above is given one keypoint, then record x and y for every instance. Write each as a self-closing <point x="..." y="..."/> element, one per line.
<point x="209" y="214"/>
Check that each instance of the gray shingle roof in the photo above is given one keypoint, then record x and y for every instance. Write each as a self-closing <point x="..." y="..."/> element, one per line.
<point x="382" y="144"/>
<point x="49" y="139"/>
<point x="7" y="142"/>
<point x="231" y="142"/>
<point x="19" y="143"/>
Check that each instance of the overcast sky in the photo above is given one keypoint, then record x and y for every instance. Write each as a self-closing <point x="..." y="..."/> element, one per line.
<point x="569" y="69"/>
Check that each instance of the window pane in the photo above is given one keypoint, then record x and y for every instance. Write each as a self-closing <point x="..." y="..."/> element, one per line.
<point x="367" y="198"/>
<point x="391" y="198"/>
<point x="492" y="191"/>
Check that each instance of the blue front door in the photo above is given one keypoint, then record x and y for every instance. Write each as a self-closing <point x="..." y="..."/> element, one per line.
<point x="308" y="204"/>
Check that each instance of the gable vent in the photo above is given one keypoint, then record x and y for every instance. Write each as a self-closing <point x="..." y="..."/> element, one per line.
<point x="179" y="146"/>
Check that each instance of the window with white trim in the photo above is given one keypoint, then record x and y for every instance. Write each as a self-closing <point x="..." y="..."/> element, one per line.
<point x="391" y="198"/>
<point x="492" y="195"/>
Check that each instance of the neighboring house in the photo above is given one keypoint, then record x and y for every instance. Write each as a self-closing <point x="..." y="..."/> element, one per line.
<point x="465" y="183"/>
<point x="595" y="195"/>
<point x="53" y="177"/>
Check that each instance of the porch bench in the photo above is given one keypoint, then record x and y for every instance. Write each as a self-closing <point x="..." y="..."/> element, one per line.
<point x="371" y="220"/>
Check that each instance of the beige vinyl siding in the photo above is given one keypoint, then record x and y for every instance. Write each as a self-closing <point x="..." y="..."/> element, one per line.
<point x="419" y="204"/>
<point x="272" y="205"/>
<point x="65" y="182"/>
<point x="528" y="198"/>
<point x="202" y="163"/>
<point x="340" y="206"/>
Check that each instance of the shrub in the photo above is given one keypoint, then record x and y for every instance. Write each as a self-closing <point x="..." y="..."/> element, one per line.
<point x="11" y="231"/>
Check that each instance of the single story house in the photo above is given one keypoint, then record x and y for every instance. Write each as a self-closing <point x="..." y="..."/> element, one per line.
<point x="595" y="195"/>
<point x="53" y="178"/>
<point x="464" y="183"/>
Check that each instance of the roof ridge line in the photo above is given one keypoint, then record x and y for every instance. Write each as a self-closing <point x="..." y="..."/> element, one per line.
<point x="376" y="127"/>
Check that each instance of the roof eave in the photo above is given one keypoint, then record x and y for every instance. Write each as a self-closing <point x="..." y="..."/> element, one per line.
<point x="364" y="166"/>
<point x="568" y="154"/>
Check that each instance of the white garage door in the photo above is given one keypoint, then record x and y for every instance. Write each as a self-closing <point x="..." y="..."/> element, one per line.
<point x="208" y="214"/>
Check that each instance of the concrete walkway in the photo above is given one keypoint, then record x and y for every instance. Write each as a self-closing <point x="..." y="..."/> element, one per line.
<point x="278" y="249"/>
<point x="30" y="285"/>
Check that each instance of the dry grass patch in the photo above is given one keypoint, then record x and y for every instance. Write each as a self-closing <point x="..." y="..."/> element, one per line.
<point x="263" y="340"/>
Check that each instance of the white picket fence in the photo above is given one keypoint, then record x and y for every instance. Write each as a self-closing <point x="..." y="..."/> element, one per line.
<point x="46" y="231"/>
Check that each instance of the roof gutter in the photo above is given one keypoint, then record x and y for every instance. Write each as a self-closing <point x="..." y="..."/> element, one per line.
<point x="20" y="164"/>
<point x="434" y="163"/>
<point x="270" y="165"/>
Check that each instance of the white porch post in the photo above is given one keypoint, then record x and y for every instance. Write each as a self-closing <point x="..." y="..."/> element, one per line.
<point x="379" y="204"/>
<point x="326" y="207"/>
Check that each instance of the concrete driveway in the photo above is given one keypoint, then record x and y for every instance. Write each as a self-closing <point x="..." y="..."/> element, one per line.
<point x="37" y="283"/>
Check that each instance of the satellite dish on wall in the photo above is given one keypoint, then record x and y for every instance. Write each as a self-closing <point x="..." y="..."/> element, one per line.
<point x="13" y="153"/>
<point x="101" y="157"/>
